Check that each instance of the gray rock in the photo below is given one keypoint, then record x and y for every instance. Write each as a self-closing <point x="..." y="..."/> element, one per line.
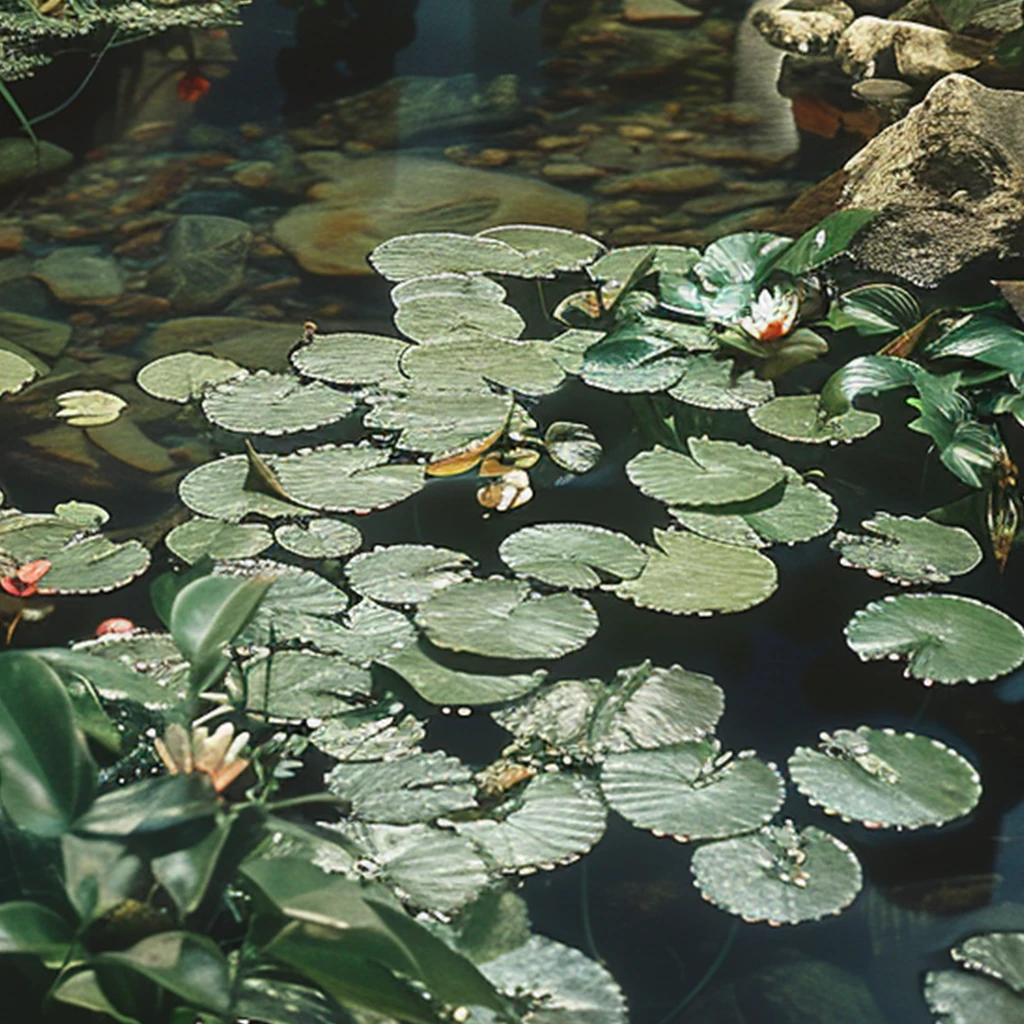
<point x="47" y="338"/>
<point x="799" y="29"/>
<point x="205" y="262"/>
<point x="948" y="180"/>
<point x="80" y="276"/>
<point x="19" y="159"/>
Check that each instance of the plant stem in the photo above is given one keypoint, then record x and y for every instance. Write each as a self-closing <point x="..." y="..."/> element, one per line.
<point x="708" y="975"/>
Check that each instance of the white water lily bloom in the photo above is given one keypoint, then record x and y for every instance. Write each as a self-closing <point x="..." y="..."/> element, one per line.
<point x="772" y="314"/>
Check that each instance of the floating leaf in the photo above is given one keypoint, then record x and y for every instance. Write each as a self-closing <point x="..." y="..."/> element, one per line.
<point x="959" y="997"/>
<point x="688" y="575"/>
<point x="467" y="286"/>
<point x="405" y="790"/>
<point x="89" y="408"/>
<point x="908" y="550"/>
<point x="945" y="638"/>
<point x="1000" y="955"/>
<point x="151" y="669"/>
<point x="184" y="376"/>
<point x="569" y="348"/>
<point x="436" y="318"/>
<point x="572" y="446"/>
<point x="528" y="367"/>
<point x="547" y="250"/>
<point x="93" y="566"/>
<point x="82" y="513"/>
<point x="369" y="632"/>
<point x="274" y="404"/>
<point x="800" y="418"/>
<point x="779" y="874"/>
<point x="632" y="362"/>
<point x="712" y="383"/>
<point x="554" y="819"/>
<point x="714" y="473"/>
<point x="866" y="375"/>
<point x="218" y="490"/>
<point x="444" y="252"/>
<point x="406" y="573"/>
<point x="350" y="358"/>
<point x="15" y="372"/>
<point x="502" y="618"/>
<point x="875" y="309"/>
<point x="319" y="538"/>
<point x="885" y="779"/>
<point x="824" y="242"/>
<point x="381" y="731"/>
<point x="620" y="264"/>
<point x="687" y="792"/>
<point x="737" y="259"/>
<point x="572" y="555"/>
<point x="300" y="685"/>
<point x="198" y="537"/>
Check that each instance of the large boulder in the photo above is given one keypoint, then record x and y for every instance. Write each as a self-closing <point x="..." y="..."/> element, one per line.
<point x="948" y="181"/>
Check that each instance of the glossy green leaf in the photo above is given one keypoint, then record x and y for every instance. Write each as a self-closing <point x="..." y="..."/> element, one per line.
<point x="737" y="259"/>
<point x="15" y="372"/>
<point x="468" y="286"/>
<point x="712" y="383"/>
<point x="27" y="927"/>
<point x="300" y="685"/>
<point x="801" y="418"/>
<point x="632" y="362"/>
<point x="1000" y="955"/>
<point x="572" y="446"/>
<point x="824" y="242"/>
<point x="874" y="309"/>
<point x="186" y="874"/>
<point x="164" y="802"/>
<point x="866" y="375"/>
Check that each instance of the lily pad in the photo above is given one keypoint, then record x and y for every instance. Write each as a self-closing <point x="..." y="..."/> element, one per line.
<point x="219" y="490"/>
<point x="686" y="792"/>
<point x="502" y="618"/>
<point x="714" y="473"/>
<point x="572" y="555"/>
<point x="198" y="537"/>
<point x="467" y="286"/>
<point x="779" y="874"/>
<point x="274" y="404"/>
<point x="569" y="348"/>
<point x="712" y="383"/>
<point x="159" y="672"/>
<point x="445" y="252"/>
<point x="572" y="446"/>
<point x="350" y="358"/>
<point x="15" y="372"/>
<point x="620" y="264"/>
<point x="301" y="685"/>
<point x="438" y="684"/>
<point x="945" y="638"/>
<point x="800" y="418"/>
<point x="688" y="575"/>
<point x="184" y="376"/>
<point x="369" y="632"/>
<point x="89" y="408"/>
<point x="435" y="318"/>
<point x="82" y="513"/>
<point x="94" y="565"/>
<point x="1000" y="955"/>
<point x="960" y="997"/>
<point x="406" y="573"/>
<point x="907" y="550"/>
<point x="319" y="538"/>
<point x="554" y="819"/>
<point x="547" y="250"/>
<point x="885" y="779"/>
<point x="380" y="731"/>
<point x="632" y="363"/>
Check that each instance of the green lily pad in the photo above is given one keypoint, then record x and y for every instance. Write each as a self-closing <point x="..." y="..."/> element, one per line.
<point x="93" y="565"/>
<point x="801" y="513"/>
<point x="82" y="513"/>
<point x="632" y="363"/>
<point x="569" y="348"/>
<point x="799" y="418"/>
<point x="688" y="575"/>
<point x="403" y="791"/>
<point x="406" y="573"/>
<point x="714" y="473"/>
<point x="885" y="779"/>
<point x="438" y="684"/>
<point x="712" y="383"/>
<point x="572" y="555"/>
<point x="1000" y="955"/>
<point x="319" y="538"/>
<point x="184" y="376"/>
<point x="620" y="264"/>
<point x="445" y="252"/>
<point x="467" y="286"/>
<point x="27" y="536"/>
<point x="274" y="404"/>
<point x="687" y="792"/>
<point x="220" y="540"/>
<point x="960" y="997"/>
<point x="572" y="446"/>
<point x="218" y="490"/>
<point x="547" y="250"/>
<point x="89" y="408"/>
<point x="370" y="631"/>
<point x="945" y="638"/>
<point x="502" y="618"/>
<point x="383" y="730"/>
<point x="907" y="550"/>
<point x="346" y="478"/>
<point x="350" y="358"/>
<point x="15" y="372"/>
<point x="779" y="874"/>
<point x="302" y="685"/>
<point x="435" y="318"/>
<point x="554" y="819"/>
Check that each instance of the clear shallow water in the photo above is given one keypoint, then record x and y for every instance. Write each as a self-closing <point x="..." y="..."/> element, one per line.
<point x="784" y="666"/>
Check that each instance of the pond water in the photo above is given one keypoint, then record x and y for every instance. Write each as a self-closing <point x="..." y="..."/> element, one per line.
<point x="585" y="135"/>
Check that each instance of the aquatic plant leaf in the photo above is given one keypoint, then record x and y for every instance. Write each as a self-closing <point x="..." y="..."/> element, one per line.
<point x="572" y="555"/>
<point x="712" y="383"/>
<point x="346" y="478"/>
<point x="874" y="309"/>
<point x="274" y="404"/>
<point x="945" y="638"/>
<point x="406" y="573"/>
<point x="218" y="490"/>
<point x="445" y="252"/>
<point x="559" y="715"/>
<point x="15" y="372"/>
<point x="198" y="537"/>
<point x="988" y="339"/>
<point x="632" y="363"/>
<point x="466" y="286"/>
<point x="501" y="618"/>
<point x="301" y="685"/>
<point x="569" y="348"/>
<point x="547" y="250"/>
<point x="150" y="668"/>
<point x="438" y="684"/>
<point x="714" y="473"/>
<point x="886" y="779"/>
<point x="403" y="791"/>
<point x="184" y="376"/>
<point x="94" y="565"/>
<point x="999" y="955"/>
<point x="572" y="446"/>
<point x="436" y="419"/>
<point x="554" y="819"/>
<point x="737" y="259"/>
<point x="27" y="536"/>
<point x="908" y="551"/>
<point x="82" y="513"/>
<point x="379" y="732"/>
<point x="960" y="997"/>
<point x="319" y="538"/>
<point x="89" y="408"/>
<point x="350" y="358"/>
<point x="866" y="375"/>
<point x="779" y="874"/>
<point x="824" y="242"/>
<point x="688" y="575"/>
<point x="801" y="418"/>
<point x="528" y="367"/>
<point x="436" y="318"/>
<point x="619" y="265"/>
<point x="369" y="630"/>
<point x="558" y="983"/>
<point x="679" y="791"/>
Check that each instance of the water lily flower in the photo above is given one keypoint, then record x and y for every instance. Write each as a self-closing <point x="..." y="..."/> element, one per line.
<point x="217" y="755"/>
<point x="115" y="625"/>
<point x="22" y="583"/>
<point x="772" y="314"/>
<point x="506" y="492"/>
